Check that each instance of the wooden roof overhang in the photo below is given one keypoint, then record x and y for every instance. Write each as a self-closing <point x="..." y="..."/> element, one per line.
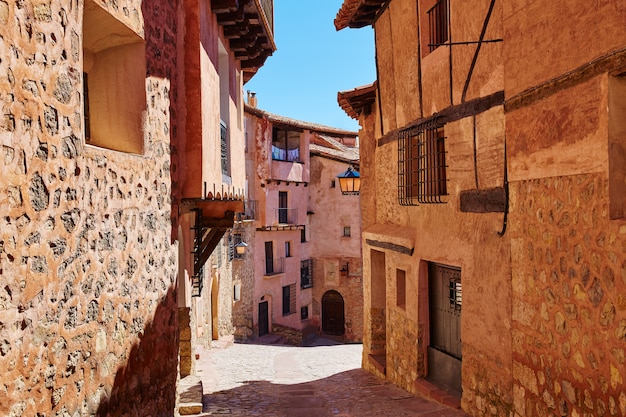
<point x="213" y="218"/>
<point x="249" y="27"/>
<point x="358" y="100"/>
<point x="358" y="13"/>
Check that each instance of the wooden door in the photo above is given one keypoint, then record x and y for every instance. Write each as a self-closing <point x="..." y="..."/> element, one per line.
<point x="264" y="326"/>
<point x="333" y="319"/>
<point x="445" y="350"/>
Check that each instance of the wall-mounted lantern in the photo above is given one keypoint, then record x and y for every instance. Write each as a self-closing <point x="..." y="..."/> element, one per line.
<point x="240" y="248"/>
<point x="350" y="182"/>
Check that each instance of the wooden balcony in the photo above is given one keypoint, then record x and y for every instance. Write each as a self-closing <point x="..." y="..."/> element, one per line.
<point x="249" y="27"/>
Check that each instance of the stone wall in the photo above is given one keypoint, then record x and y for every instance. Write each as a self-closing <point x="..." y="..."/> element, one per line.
<point x="87" y="267"/>
<point x="402" y="350"/>
<point x="243" y="275"/>
<point x="569" y="307"/>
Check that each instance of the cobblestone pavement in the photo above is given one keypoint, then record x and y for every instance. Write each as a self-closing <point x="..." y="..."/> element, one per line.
<point x="324" y="380"/>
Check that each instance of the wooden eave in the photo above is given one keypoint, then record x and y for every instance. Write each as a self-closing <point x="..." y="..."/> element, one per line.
<point x="213" y="218"/>
<point x="358" y="100"/>
<point x="249" y="30"/>
<point x="358" y="13"/>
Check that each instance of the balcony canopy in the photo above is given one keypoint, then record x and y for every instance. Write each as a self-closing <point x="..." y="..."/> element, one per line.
<point x="249" y="27"/>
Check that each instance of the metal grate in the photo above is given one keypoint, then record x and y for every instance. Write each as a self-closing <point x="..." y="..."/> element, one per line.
<point x="438" y="24"/>
<point x="306" y="273"/>
<point x="422" y="164"/>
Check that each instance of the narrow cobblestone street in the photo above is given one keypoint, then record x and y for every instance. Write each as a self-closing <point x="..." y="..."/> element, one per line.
<point x="318" y="381"/>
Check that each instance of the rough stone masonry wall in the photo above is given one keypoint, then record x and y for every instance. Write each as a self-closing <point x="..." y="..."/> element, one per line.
<point x="402" y="350"/>
<point x="243" y="275"/>
<point x="569" y="298"/>
<point x="87" y="268"/>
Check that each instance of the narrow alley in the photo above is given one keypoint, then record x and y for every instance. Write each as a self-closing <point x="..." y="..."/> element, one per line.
<point x="326" y="379"/>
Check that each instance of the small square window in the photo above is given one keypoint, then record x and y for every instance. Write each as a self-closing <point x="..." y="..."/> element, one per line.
<point x="346" y="231"/>
<point x="332" y="183"/>
<point x="304" y="313"/>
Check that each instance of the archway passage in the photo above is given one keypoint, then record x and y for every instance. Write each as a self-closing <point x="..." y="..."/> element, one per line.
<point x="333" y="318"/>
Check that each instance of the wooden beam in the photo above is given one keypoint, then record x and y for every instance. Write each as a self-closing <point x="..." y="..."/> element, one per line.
<point x="224" y="6"/>
<point x="212" y="240"/>
<point x="484" y="201"/>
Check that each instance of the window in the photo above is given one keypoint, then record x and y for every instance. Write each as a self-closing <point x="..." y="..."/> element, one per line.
<point x="289" y="299"/>
<point x="224" y="147"/>
<point x="303" y="234"/>
<point x="332" y="183"/>
<point x="455" y="294"/>
<point x="438" y="24"/>
<point x="224" y="86"/>
<point x="269" y="258"/>
<point x="304" y="313"/>
<point x="237" y="292"/>
<point x="282" y="207"/>
<point x="346" y="231"/>
<point x="114" y="87"/>
<point x="400" y="288"/>
<point x="422" y="164"/>
<point x="287" y="249"/>
<point x="306" y="273"/>
<point x="285" y="145"/>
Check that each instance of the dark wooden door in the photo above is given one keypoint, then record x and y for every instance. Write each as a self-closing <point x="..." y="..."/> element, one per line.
<point x="264" y="327"/>
<point x="333" y="319"/>
<point x="445" y="302"/>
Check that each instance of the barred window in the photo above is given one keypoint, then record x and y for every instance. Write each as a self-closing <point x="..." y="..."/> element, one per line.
<point x="306" y="273"/>
<point x="438" y="25"/>
<point x="422" y="164"/>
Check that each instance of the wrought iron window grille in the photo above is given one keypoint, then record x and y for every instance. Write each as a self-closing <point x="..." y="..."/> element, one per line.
<point x="422" y="164"/>
<point x="438" y="24"/>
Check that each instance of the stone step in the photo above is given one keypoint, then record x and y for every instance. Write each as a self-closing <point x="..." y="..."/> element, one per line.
<point x="190" y="396"/>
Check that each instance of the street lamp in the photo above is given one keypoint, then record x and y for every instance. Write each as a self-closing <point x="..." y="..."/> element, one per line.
<point x="350" y="182"/>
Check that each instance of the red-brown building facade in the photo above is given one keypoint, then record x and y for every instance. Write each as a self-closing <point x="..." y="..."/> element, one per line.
<point x="492" y="201"/>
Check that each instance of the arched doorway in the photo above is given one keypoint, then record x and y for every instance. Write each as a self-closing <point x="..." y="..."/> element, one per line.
<point x="333" y="319"/>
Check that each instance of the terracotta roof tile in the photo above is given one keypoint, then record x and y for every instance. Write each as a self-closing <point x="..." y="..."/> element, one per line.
<point x="358" y="13"/>
<point x="357" y="100"/>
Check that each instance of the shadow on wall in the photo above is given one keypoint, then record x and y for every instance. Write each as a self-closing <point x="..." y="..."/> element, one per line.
<point x="146" y="386"/>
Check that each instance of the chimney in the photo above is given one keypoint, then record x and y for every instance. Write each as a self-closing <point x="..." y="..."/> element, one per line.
<point x="251" y="98"/>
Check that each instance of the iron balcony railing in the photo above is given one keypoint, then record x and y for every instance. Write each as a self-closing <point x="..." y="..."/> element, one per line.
<point x="286" y="215"/>
<point x="274" y="266"/>
<point x="250" y="211"/>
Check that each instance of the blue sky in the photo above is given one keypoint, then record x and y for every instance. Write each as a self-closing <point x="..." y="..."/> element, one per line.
<point x="313" y="62"/>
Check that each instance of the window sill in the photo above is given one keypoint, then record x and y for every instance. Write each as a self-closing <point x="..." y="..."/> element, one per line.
<point x="273" y="274"/>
